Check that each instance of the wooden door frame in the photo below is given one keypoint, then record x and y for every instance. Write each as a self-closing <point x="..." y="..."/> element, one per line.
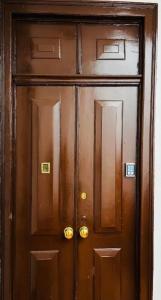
<point x="148" y="13"/>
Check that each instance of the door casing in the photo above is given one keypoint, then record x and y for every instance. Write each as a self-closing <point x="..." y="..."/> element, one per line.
<point x="148" y="14"/>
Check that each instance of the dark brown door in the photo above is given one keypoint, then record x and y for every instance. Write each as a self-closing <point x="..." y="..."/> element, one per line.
<point x="44" y="206"/>
<point x="107" y="118"/>
<point x="72" y="146"/>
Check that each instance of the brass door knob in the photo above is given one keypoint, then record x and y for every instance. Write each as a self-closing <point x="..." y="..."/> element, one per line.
<point x="83" y="231"/>
<point x="68" y="233"/>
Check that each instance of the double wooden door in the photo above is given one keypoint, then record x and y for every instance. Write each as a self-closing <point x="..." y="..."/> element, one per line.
<point x="75" y="162"/>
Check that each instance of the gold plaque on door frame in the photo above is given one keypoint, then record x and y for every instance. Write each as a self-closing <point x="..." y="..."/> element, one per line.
<point x="45" y="168"/>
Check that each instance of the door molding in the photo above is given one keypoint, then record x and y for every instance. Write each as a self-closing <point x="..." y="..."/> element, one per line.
<point x="147" y="13"/>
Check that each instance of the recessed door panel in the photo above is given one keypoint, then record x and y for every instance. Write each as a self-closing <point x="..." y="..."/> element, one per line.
<point x="110" y="49"/>
<point x="107" y="282"/>
<point x="45" y="165"/>
<point x="108" y="164"/>
<point x="45" y="262"/>
<point x="44" y="48"/>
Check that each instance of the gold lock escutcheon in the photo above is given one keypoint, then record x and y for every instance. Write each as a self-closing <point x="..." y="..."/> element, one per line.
<point x="83" y="231"/>
<point x="68" y="233"/>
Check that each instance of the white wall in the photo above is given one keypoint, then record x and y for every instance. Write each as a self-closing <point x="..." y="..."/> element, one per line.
<point x="157" y="165"/>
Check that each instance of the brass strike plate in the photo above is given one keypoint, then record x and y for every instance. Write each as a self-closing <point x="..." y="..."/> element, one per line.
<point x="45" y="168"/>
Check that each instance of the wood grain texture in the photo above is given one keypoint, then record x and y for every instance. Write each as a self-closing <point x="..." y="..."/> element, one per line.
<point x="109" y="49"/>
<point x="102" y="208"/>
<point x="123" y="38"/>
<point x="45" y="148"/>
<point x="107" y="274"/>
<point x="49" y="210"/>
<point x="45" y="262"/>
<point x="98" y="56"/>
<point x="108" y="162"/>
<point x="1" y="150"/>
<point x="138" y="12"/>
<point x="77" y="79"/>
<point x="43" y="48"/>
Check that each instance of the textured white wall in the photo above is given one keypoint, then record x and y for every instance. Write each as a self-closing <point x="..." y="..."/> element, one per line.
<point x="157" y="165"/>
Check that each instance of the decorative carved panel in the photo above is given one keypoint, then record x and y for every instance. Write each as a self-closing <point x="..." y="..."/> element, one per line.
<point x="45" y="48"/>
<point x="110" y="49"/>
<point x="108" y="165"/>
<point x="107" y="273"/>
<point x="45" y="152"/>
<point x="45" y="263"/>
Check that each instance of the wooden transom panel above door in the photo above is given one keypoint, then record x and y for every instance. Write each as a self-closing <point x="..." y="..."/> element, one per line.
<point x="58" y="48"/>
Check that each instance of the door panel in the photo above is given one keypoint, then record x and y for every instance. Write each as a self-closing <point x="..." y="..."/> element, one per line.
<point x="43" y="48"/>
<point x="110" y="114"/>
<point x="110" y="49"/>
<point x="108" y="164"/>
<point x="45" y="262"/>
<point x="63" y="49"/>
<point x="107" y="263"/>
<point x="45" y="152"/>
<point x="44" y="201"/>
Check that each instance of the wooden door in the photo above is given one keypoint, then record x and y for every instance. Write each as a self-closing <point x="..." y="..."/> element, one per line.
<point x="48" y="266"/>
<point x="76" y="156"/>
<point x="44" y="197"/>
<point x="107" y="121"/>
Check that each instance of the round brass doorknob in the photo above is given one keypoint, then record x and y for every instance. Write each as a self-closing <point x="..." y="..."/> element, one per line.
<point x="68" y="233"/>
<point x="83" y="231"/>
